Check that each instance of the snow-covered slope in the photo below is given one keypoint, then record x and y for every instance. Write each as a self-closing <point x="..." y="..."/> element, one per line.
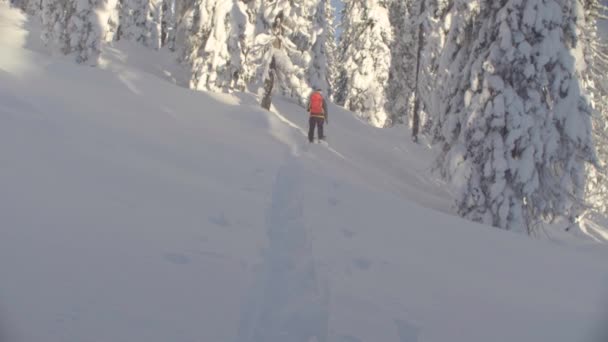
<point x="135" y="210"/>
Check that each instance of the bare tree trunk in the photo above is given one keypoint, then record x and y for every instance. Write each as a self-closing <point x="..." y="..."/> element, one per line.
<point x="164" y="24"/>
<point x="268" y="85"/>
<point x="416" y="112"/>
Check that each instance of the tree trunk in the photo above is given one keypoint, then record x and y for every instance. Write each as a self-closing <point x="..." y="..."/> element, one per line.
<point x="416" y="111"/>
<point x="268" y="85"/>
<point x="164" y="23"/>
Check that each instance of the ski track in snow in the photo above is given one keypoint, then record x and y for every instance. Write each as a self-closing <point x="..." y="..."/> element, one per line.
<point x="301" y="146"/>
<point x="289" y="300"/>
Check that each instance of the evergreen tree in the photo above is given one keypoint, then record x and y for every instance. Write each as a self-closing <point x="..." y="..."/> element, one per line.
<point x="182" y="19"/>
<point x="154" y="24"/>
<point x="596" y="57"/>
<point x="251" y="9"/>
<point x="435" y="26"/>
<point x="218" y="61"/>
<point x="113" y="21"/>
<point x="83" y="31"/>
<point x="55" y="16"/>
<point x="331" y="47"/>
<point x="323" y="66"/>
<point x="419" y="34"/>
<point x="420" y="42"/>
<point x="88" y="27"/>
<point x="281" y="50"/>
<point x="403" y="59"/>
<point x="77" y="27"/>
<point x="303" y="31"/>
<point x="515" y="127"/>
<point x="31" y="7"/>
<point x="192" y="28"/>
<point x="365" y="60"/>
<point x="140" y="21"/>
<point x="169" y="24"/>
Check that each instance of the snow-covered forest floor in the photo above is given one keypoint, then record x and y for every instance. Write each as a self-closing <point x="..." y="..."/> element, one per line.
<point x="133" y="209"/>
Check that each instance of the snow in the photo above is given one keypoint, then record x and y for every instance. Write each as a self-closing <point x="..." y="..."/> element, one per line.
<point x="133" y="209"/>
<point x="12" y="56"/>
<point x="365" y="60"/>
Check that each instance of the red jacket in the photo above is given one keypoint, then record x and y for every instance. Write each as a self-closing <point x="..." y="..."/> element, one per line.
<point x="317" y="106"/>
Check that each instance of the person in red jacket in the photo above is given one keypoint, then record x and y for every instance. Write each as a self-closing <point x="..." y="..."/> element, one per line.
<point x="317" y="107"/>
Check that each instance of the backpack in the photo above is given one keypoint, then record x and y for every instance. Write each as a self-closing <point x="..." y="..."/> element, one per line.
<point x="316" y="103"/>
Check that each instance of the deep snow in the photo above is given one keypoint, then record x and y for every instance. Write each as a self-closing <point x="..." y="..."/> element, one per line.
<point x="132" y="209"/>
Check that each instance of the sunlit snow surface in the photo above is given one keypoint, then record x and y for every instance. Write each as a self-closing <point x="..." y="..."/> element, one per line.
<point x="132" y="209"/>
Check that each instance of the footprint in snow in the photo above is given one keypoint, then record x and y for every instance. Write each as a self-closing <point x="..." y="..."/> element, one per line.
<point x="63" y="318"/>
<point x="249" y="189"/>
<point x="220" y="220"/>
<point x="362" y="264"/>
<point x="348" y="233"/>
<point x="177" y="258"/>
<point x="407" y="331"/>
<point x="213" y="255"/>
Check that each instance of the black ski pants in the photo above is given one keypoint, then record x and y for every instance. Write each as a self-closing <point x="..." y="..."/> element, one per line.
<point x="318" y="122"/>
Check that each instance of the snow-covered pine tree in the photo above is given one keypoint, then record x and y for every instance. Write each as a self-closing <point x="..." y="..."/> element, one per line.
<point x="154" y="24"/>
<point x="169" y="24"/>
<point x="401" y="81"/>
<point x="140" y="21"/>
<point x="323" y="67"/>
<point x="435" y="23"/>
<point x="420" y="42"/>
<point x="265" y="49"/>
<point x="281" y="50"/>
<point x="55" y="15"/>
<point x="88" y="27"/>
<point x="365" y="59"/>
<point x="302" y="32"/>
<point x="516" y="126"/>
<point x="112" y="23"/>
<point x="15" y="3"/>
<point x="419" y="34"/>
<point x="187" y="24"/>
<point x="79" y="26"/>
<point x="84" y="31"/>
<point x="248" y="17"/>
<point x="331" y="47"/>
<point x="596" y="56"/>
<point x="192" y="28"/>
<point x="217" y="64"/>
<point x="453" y="70"/>
<point x="31" y="7"/>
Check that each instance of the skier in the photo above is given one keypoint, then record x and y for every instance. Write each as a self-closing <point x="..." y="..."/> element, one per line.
<point x="317" y="107"/>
